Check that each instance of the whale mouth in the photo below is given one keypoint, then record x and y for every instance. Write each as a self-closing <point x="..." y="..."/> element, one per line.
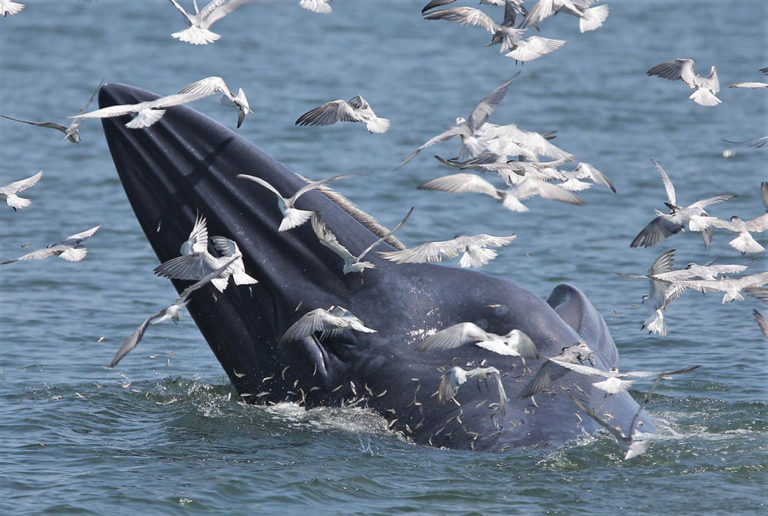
<point x="185" y="166"/>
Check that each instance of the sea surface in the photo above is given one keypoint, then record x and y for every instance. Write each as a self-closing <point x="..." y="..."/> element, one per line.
<point x="164" y="432"/>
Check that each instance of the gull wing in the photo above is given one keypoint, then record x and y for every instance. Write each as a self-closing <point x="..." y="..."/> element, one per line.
<point x="389" y="234"/>
<point x="218" y="9"/>
<point x="762" y="323"/>
<point x="676" y="69"/>
<point x="712" y="200"/>
<point x="329" y="113"/>
<point x="461" y="183"/>
<point x="428" y="252"/>
<point x="453" y="337"/>
<point x="51" y="125"/>
<point x="185" y="267"/>
<point x="545" y="376"/>
<point x="668" y="186"/>
<point x="184" y="296"/>
<point x="587" y="171"/>
<point x="329" y="240"/>
<point x="110" y="111"/>
<point x="133" y="339"/>
<point x="485" y="107"/>
<point x="760" y="293"/>
<point x="207" y="86"/>
<point x="265" y="184"/>
<point x="533" y="47"/>
<point x="79" y="237"/>
<point x="313" y="321"/>
<point x="198" y="237"/>
<point x="758" y="224"/>
<point x="657" y="230"/>
<point x="40" y="254"/>
<point x="444" y="136"/>
<point x="449" y="384"/>
<point x="531" y="186"/>
<point x="435" y="3"/>
<point x="464" y="16"/>
<point x="483" y="240"/>
<point x="22" y="184"/>
<point x="315" y="184"/>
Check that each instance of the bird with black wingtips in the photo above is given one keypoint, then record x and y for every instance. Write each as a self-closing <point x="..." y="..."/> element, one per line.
<point x="355" y="109"/>
<point x="69" y="249"/>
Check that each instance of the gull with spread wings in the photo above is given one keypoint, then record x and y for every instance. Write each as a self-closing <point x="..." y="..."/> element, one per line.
<point x="9" y="192"/>
<point x="200" y="22"/>
<point x="355" y="109"/>
<point x="706" y="88"/>
<point x="515" y="343"/>
<point x="70" y="249"/>
<point x="473" y="247"/>
<point x="328" y="322"/>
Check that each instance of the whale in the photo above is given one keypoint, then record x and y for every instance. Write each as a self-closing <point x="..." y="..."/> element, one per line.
<point x="186" y="165"/>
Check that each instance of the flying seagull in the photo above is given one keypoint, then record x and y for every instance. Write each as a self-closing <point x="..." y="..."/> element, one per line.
<point x="198" y="33"/>
<point x="745" y="242"/>
<point x="196" y="262"/>
<point x="751" y="85"/>
<point x="72" y="131"/>
<point x="328" y="322"/>
<point x="173" y="312"/>
<point x="292" y="217"/>
<point x="515" y="343"/>
<point x="466" y="128"/>
<point x="590" y="18"/>
<point x="731" y="287"/>
<point x="352" y="263"/>
<point x="355" y="109"/>
<point x="511" y="198"/>
<point x="660" y="295"/>
<point x="552" y="368"/>
<point x="213" y="85"/>
<point x="613" y="382"/>
<point x="473" y="248"/>
<point x="70" y="249"/>
<point x="454" y="377"/>
<point x="706" y="88"/>
<point x="147" y="112"/>
<point x="665" y="225"/>
<point x="9" y="192"/>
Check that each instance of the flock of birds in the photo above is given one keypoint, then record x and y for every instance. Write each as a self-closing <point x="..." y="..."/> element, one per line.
<point x="506" y="153"/>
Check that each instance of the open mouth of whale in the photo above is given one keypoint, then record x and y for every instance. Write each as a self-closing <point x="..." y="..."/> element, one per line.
<point x="186" y="165"/>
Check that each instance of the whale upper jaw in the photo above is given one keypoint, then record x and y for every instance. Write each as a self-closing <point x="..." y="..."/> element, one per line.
<point x="186" y="164"/>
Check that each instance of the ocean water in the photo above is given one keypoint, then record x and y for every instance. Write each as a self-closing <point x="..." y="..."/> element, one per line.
<point x="165" y="431"/>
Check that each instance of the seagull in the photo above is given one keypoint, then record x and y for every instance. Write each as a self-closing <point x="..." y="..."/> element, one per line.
<point x="198" y="33"/>
<point x="473" y="247"/>
<point x="9" y="192"/>
<point x="196" y="262"/>
<point x="613" y="382"/>
<point x="317" y="6"/>
<point x="552" y="368"/>
<point x="7" y="7"/>
<point x="213" y="85"/>
<point x="751" y="85"/>
<point x="355" y="109"/>
<point x="72" y="131"/>
<point x="665" y="225"/>
<point x="328" y="322"/>
<point x="466" y="129"/>
<point x="706" y="88"/>
<point x="147" y="112"/>
<point x="510" y="198"/>
<point x="731" y="287"/>
<point x="660" y="294"/>
<point x="585" y="171"/>
<point x="515" y="343"/>
<point x="456" y="376"/>
<point x="745" y="242"/>
<point x="293" y="217"/>
<point x="172" y="312"/>
<point x="352" y="263"/>
<point x="590" y="18"/>
<point x="762" y="323"/>
<point x="695" y="271"/>
<point x="70" y="249"/>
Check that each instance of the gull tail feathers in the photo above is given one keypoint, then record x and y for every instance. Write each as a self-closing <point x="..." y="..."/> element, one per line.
<point x="294" y="218"/>
<point x="655" y="323"/>
<point x="16" y="202"/>
<point x="593" y="18"/>
<point x="196" y="36"/>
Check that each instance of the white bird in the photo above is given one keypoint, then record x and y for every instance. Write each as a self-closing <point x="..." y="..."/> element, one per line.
<point x="586" y="171"/>
<point x="8" y="7"/>
<point x="515" y="343"/>
<point x="613" y="382"/>
<point x="665" y="225"/>
<point x="196" y="262"/>
<point x="70" y="249"/>
<point x="762" y="323"/>
<point x="590" y="18"/>
<point x="454" y="377"/>
<point x="473" y="248"/>
<point x="317" y="6"/>
<point x="199" y="23"/>
<point x="552" y="368"/>
<point x="213" y="85"/>
<point x="510" y="140"/>
<point x="534" y="47"/>
<point x="228" y="249"/>
<point x="352" y="263"/>
<point x="330" y="321"/>
<point x="751" y="85"/>
<point x="661" y="294"/>
<point x="147" y="112"/>
<point x="510" y="198"/>
<point x="696" y="271"/>
<point x="9" y="192"/>
<point x="731" y="287"/>
<point x="172" y="312"/>
<point x="466" y="128"/>
<point x="745" y="242"/>
<point x="705" y="88"/>
<point x="355" y="109"/>
<point x="292" y="217"/>
<point x="72" y="131"/>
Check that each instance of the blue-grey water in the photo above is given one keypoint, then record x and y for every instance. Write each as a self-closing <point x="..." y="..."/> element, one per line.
<point x="165" y="432"/>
